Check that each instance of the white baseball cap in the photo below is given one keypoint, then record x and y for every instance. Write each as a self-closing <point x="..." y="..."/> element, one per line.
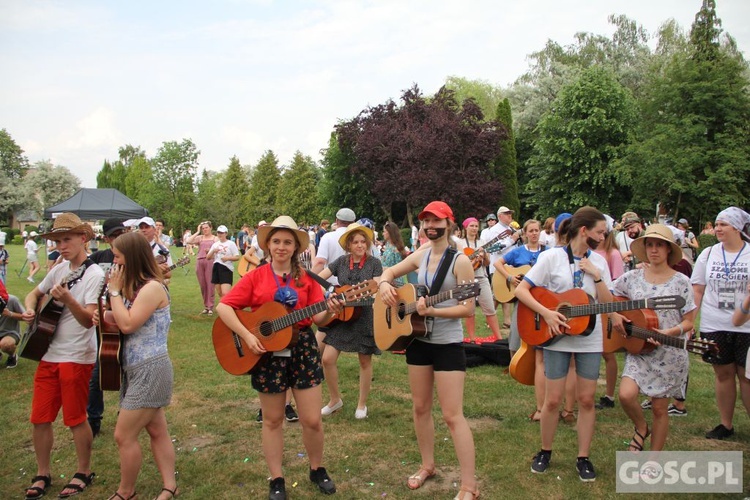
<point x="145" y="220"/>
<point x="222" y="229"/>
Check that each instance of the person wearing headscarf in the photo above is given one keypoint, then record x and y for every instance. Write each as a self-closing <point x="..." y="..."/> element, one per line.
<point x="720" y="279"/>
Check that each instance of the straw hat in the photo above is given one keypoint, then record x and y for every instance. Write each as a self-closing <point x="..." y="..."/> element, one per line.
<point x="283" y="222"/>
<point x="355" y="226"/>
<point x="659" y="232"/>
<point x="68" y="223"/>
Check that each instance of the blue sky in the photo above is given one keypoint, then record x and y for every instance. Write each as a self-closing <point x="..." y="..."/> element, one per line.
<point x="238" y="77"/>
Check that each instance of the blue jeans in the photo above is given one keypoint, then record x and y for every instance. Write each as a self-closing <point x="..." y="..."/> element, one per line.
<point x="95" y="408"/>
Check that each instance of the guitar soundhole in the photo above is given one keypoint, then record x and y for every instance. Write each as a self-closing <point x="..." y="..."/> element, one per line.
<point x="564" y="310"/>
<point x="266" y="329"/>
<point x="401" y="311"/>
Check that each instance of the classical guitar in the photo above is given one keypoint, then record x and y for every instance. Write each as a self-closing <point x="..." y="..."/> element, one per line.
<point x="640" y="329"/>
<point x="396" y="326"/>
<point x="273" y="325"/>
<point x="352" y="310"/>
<point x="581" y="310"/>
<point x="475" y="255"/>
<point x="503" y="289"/>
<point x="523" y="364"/>
<point x="247" y="263"/>
<point x="110" y="343"/>
<point x="37" y="338"/>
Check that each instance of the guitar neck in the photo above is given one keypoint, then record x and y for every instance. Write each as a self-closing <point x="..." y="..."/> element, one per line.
<point x="494" y="240"/>
<point x="360" y="303"/>
<point x="430" y="301"/>
<point x="603" y="308"/>
<point x="645" y="334"/>
<point x="300" y="314"/>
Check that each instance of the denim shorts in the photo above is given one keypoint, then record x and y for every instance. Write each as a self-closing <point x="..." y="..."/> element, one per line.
<point x="556" y="364"/>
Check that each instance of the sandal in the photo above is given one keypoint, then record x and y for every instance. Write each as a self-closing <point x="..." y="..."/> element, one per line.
<point x="536" y="416"/>
<point x="117" y="495"/>
<point x="417" y="479"/>
<point x="39" y="491"/>
<point x="466" y="491"/>
<point x="173" y="493"/>
<point x="78" y="488"/>
<point x="568" y="416"/>
<point x="634" y="444"/>
<point x="506" y="326"/>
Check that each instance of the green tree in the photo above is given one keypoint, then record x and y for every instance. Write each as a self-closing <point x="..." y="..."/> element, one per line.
<point x="487" y="96"/>
<point x="341" y="187"/>
<point x="579" y="138"/>
<point x="261" y="197"/>
<point x="297" y="193"/>
<point x="507" y="162"/>
<point x="13" y="166"/>
<point x="691" y="153"/>
<point x="209" y="205"/>
<point x="46" y="185"/>
<point x="139" y="183"/>
<point x="233" y="187"/>
<point x="175" y="168"/>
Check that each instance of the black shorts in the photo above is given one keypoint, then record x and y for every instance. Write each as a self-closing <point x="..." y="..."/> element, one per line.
<point x="442" y="357"/>
<point x="220" y="275"/>
<point x="301" y="370"/>
<point x="732" y="347"/>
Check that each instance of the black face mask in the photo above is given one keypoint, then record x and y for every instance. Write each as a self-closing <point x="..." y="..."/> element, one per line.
<point x="439" y="233"/>
<point x="592" y="243"/>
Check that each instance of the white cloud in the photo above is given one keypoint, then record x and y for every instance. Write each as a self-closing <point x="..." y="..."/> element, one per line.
<point x="97" y="130"/>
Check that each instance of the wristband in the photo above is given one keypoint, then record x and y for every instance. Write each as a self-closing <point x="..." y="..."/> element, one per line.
<point x="598" y="281"/>
<point x="682" y="330"/>
<point x="744" y="311"/>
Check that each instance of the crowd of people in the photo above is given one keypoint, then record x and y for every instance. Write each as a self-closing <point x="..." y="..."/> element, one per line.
<point x="628" y="259"/>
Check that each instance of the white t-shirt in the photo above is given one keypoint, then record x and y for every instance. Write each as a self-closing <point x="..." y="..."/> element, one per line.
<point x="554" y="272"/>
<point x="723" y="294"/>
<point x="72" y="342"/>
<point x="493" y="232"/>
<point x="225" y="249"/>
<point x="31" y="249"/>
<point x="548" y="240"/>
<point x="330" y="250"/>
<point x="623" y="241"/>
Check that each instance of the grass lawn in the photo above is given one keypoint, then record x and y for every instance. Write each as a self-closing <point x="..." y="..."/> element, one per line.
<point x="212" y="422"/>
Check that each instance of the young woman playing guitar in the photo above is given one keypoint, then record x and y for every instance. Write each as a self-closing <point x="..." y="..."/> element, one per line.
<point x="661" y="373"/>
<point x="438" y="359"/>
<point x="486" y="301"/>
<point x="355" y="266"/>
<point x="283" y="280"/>
<point x="140" y="304"/>
<point x="561" y="269"/>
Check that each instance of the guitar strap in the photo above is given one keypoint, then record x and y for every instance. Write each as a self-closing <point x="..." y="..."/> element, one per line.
<point x="442" y="271"/>
<point x="86" y="263"/>
<point x="324" y="283"/>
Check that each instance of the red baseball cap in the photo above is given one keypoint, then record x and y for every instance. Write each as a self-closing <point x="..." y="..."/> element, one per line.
<point x="440" y="209"/>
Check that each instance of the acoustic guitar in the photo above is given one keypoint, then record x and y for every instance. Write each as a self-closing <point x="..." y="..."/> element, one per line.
<point x="523" y="364"/>
<point x="35" y="342"/>
<point x="110" y="343"/>
<point x="503" y="289"/>
<point x="247" y="263"/>
<point x="640" y="329"/>
<point x="475" y="255"/>
<point x="273" y="325"/>
<point x="581" y="310"/>
<point x="396" y="326"/>
<point x="352" y="310"/>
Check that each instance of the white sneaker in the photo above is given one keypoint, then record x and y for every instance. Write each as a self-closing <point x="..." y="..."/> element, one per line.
<point x="360" y="414"/>
<point x="327" y="410"/>
<point x="30" y="280"/>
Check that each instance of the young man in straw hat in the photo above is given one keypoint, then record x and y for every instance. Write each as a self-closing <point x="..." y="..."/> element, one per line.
<point x="62" y="377"/>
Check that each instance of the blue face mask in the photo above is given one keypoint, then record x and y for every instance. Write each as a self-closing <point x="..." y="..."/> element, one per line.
<point x="286" y="295"/>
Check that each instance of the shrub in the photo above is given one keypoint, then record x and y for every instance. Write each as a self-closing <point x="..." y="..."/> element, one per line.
<point x="705" y="241"/>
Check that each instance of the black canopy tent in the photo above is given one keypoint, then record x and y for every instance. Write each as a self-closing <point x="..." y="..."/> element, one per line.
<point x="95" y="204"/>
